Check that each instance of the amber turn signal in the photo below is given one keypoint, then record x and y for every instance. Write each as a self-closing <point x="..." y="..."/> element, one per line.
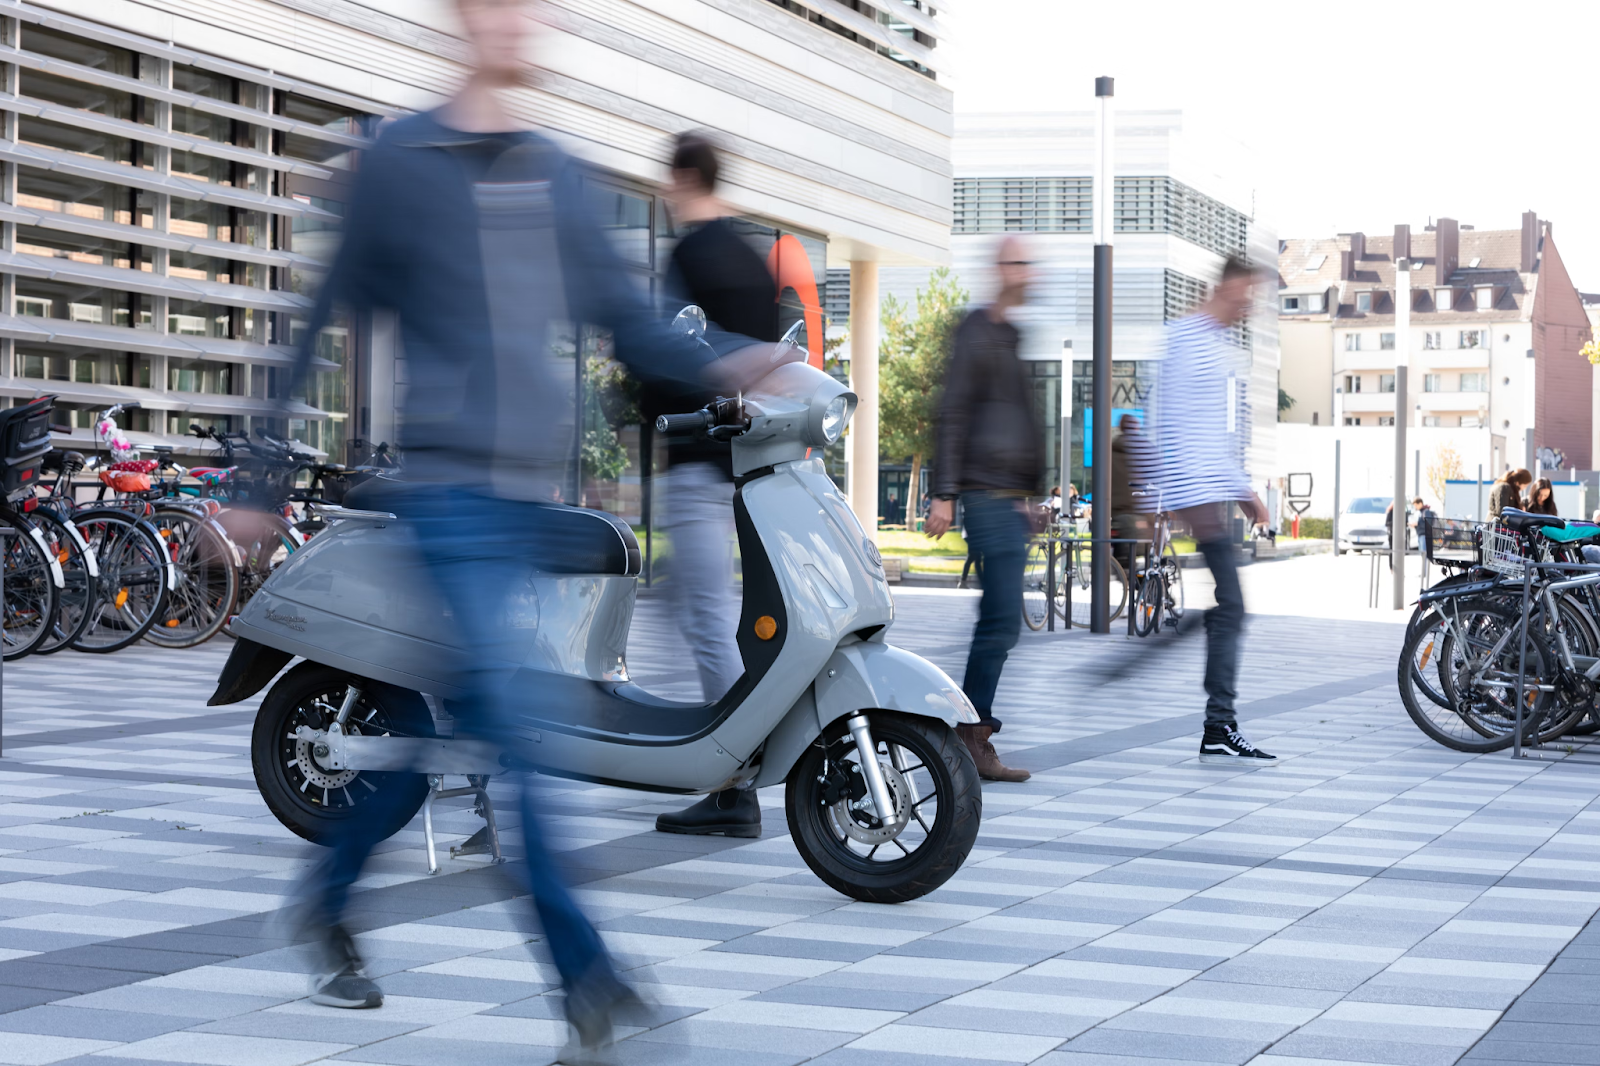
<point x="766" y="627"/>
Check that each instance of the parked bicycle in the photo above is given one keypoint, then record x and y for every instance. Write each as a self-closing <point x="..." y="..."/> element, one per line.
<point x="1069" y="546"/>
<point x="1158" y="585"/>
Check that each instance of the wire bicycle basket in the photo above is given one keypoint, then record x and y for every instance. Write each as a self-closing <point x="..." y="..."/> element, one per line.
<point x="1503" y="552"/>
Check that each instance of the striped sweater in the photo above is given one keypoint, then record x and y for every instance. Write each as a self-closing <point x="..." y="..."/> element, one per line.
<point x="1202" y="418"/>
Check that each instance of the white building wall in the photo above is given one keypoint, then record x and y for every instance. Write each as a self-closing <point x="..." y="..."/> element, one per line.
<point x="821" y="133"/>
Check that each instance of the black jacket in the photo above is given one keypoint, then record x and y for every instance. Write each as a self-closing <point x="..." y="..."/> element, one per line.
<point x="989" y="435"/>
<point x="713" y="267"/>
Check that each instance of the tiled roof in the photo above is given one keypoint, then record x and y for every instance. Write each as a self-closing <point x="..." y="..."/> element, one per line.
<point x="1496" y="252"/>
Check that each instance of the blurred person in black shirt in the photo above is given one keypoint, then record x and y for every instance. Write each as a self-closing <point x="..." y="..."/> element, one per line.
<point x="714" y="267"/>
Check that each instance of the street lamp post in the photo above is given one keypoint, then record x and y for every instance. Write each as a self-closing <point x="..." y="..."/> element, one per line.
<point x="1100" y="527"/>
<point x="1402" y="415"/>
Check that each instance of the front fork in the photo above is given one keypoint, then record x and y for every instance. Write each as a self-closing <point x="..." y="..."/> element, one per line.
<point x="871" y="769"/>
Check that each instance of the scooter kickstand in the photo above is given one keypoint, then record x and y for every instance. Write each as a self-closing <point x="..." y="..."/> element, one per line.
<point x="486" y="839"/>
<point x="434" y="781"/>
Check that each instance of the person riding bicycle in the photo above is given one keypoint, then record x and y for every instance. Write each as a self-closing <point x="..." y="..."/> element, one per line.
<point x="496" y="253"/>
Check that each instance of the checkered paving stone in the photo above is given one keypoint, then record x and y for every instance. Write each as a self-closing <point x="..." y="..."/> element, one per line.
<point x="1372" y="898"/>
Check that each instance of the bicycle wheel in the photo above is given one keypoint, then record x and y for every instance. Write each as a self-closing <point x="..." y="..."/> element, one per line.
<point x="1474" y="652"/>
<point x="207" y="587"/>
<point x="80" y="578"/>
<point x="1035" y="587"/>
<point x="1083" y="586"/>
<point x="133" y="578"/>
<point x="31" y="595"/>
<point x="1172" y="570"/>
<point x="1149" y="601"/>
<point x="265" y="541"/>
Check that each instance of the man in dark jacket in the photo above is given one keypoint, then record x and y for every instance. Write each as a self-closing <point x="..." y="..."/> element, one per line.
<point x="473" y="231"/>
<point x="991" y="456"/>
<point x="713" y="267"/>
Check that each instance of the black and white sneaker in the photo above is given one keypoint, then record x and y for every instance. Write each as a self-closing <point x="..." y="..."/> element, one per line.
<point x="349" y="988"/>
<point x="339" y="980"/>
<point x="1227" y="744"/>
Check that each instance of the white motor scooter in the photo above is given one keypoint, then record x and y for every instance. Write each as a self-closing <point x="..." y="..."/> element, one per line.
<point x="883" y="798"/>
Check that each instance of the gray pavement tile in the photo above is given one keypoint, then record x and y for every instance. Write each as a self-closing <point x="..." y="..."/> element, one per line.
<point x="824" y="994"/>
<point x="1220" y="1028"/>
<point x="175" y="1002"/>
<point x="29" y="973"/>
<point x="794" y="948"/>
<point x="846" y="1056"/>
<point x="987" y="1020"/>
<point x="1171" y="1046"/>
<point x="1518" y="1050"/>
<point x="744" y="1037"/>
<point x="655" y="1053"/>
<point x="13" y="998"/>
<point x="116" y="956"/>
<point x="426" y="1051"/>
<point x="1081" y="1058"/>
<point x="1399" y="1033"/>
<point x="87" y="1023"/>
<point x="932" y="947"/>
<point x="1578" y="1030"/>
<point x="1359" y="1049"/>
<point x="447" y="986"/>
<point x="333" y="1026"/>
<point x="1331" y="974"/>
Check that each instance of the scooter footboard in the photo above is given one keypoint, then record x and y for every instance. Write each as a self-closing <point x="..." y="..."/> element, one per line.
<point x="864" y="676"/>
<point x="419" y="755"/>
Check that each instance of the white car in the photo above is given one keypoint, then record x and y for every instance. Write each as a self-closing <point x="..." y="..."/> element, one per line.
<point x="1361" y="524"/>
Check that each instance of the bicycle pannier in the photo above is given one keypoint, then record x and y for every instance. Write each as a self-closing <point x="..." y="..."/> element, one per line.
<point x="24" y="441"/>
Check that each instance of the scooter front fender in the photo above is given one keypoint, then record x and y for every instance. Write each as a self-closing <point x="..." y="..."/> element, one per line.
<point x="866" y="676"/>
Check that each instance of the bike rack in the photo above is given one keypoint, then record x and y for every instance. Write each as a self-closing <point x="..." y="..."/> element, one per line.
<point x="484" y="840"/>
<point x="1054" y="549"/>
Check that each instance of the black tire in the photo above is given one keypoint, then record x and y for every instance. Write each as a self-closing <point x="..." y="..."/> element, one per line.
<point x="77" y="597"/>
<point x="1036" y="587"/>
<point x="937" y="768"/>
<point x="133" y="578"/>
<point x="313" y="804"/>
<point x="31" y="595"/>
<point x="1481" y="717"/>
<point x="1150" y="602"/>
<point x="207" y="587"/>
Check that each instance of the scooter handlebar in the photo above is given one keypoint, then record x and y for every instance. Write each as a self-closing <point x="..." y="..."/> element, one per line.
<point x="693" y="422"/>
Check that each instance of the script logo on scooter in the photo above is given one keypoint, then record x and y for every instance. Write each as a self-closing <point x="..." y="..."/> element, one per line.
<point x="293" y="621"/>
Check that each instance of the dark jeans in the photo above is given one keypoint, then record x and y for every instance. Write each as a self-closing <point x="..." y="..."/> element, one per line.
<point x="1224" y="622"/>
<point x="476" y="550"/>
<point x="999" y="534"/>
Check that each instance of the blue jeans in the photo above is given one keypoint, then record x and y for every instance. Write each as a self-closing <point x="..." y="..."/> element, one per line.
<point x="476" y="550"/>
<point x="998" y="532"/>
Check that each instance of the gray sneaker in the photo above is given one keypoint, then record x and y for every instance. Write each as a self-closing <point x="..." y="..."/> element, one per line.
<point x="349" y="988"/>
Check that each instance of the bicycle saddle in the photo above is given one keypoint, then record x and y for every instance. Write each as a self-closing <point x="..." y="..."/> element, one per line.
<point x="1572" y="533"/>
<point x="1522" y="521"/>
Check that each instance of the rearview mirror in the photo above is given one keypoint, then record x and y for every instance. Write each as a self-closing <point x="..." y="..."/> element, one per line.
<point x="691" y="320"/>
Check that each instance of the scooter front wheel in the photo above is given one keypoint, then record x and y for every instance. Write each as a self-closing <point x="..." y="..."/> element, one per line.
<point x="938" y="803"/>
<point x="311" y="799"/>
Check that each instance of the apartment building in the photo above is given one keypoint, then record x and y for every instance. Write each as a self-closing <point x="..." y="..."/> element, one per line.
<point x="1496" y="328"/>
<point x="175" y="171"/>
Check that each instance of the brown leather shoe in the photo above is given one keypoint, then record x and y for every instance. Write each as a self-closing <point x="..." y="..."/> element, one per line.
<point x="990" y="768"/>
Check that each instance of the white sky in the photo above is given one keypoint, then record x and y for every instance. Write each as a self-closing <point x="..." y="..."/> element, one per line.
<point x="1484" y="111"/>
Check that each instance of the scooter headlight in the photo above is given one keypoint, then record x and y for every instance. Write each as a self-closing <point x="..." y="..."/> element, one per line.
<point x="833" y="417"/>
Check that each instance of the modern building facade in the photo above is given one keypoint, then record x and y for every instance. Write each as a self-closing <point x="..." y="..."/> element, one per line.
<point x="1496" y="328"/>
<point x="175" y="171"/>
<point x="1180" y="210"/>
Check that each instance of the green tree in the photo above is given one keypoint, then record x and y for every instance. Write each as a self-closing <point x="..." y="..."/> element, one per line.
<point x="1285" y="401"/>
<point x="914" y="352"/>
<point x="610" y="403"/>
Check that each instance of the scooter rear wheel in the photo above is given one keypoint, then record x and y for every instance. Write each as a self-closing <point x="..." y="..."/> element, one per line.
<point x="312" y="800"/>
<point x="938" y="802"/>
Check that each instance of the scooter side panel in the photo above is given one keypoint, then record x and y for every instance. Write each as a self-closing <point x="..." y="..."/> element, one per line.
<point x="825" y="596"/>
<point x="788" y="741"/>
<point x="702" y="765"/>
<point x="873" y="676"/>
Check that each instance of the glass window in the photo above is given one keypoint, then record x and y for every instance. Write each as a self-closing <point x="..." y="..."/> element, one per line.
<point x="59" y="244"/>
<point x="200" y="375"/>
<point x="64" y="138"/>
<point x="194" y="319"/>
<point x="1442" y="299"/>
<point x="625" y="218"/>
<point x="45" y="190"/>
<point x="1352" y="342"/>
<point x="79" y="50"/>
<point x="1363" y="302"/>
<point x="1431" y="420"/>
<point x="1475" y="382"/>
<point x="1386" y="341"/>
<point x="1316" y="302"/>
<point x="328" y="116"/>
<point x="1485" y="295"/>
<point x="1433" y="383"/>
<point x="1355" y="381"/>
<point x="1385" y="382"/>
<point x="81" y="95"/>
<point x="1474" y="338"/>
<point x="1471" y="422"/>
<point x="316" y="237"/>
<point x="1432" y="340"/>
<point x="1291" y="303"/>
<point x="1386" y="420"/>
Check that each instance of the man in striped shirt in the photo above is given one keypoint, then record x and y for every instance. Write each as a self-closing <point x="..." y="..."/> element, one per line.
<point x="1201" y="432"/>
